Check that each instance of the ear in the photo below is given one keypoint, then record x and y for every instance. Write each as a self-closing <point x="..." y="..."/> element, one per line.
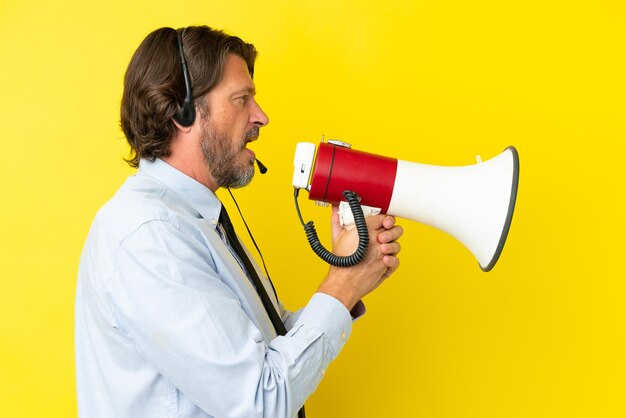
<point x="181" y="128"/>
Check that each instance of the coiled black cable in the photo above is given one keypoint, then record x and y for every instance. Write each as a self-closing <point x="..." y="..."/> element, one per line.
<point x="361" y="227"/>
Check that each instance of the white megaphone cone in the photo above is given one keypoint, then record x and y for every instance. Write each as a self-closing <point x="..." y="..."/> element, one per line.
<point x="472" y="203"/>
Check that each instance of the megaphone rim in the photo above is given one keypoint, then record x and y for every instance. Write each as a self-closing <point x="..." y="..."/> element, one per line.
<point x="509" y="215"/>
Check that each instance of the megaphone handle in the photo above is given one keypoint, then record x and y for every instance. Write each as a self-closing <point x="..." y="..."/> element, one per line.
<point x="361" y="226"/>
<point x="346" y="220"/>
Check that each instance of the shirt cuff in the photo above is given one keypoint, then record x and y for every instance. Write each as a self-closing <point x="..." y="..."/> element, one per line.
<point x="331" y="317"/>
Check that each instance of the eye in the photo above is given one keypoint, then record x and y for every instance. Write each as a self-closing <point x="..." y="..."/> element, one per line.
<point x="242" y="99"/>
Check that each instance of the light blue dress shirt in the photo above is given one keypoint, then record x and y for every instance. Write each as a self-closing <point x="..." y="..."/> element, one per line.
<point x="168" y="324"/>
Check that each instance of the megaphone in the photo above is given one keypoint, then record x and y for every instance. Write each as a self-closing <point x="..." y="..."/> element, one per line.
<point x="472" y="203"/>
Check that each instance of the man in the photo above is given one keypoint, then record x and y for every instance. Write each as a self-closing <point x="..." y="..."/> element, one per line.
<point x="170" y="316"/>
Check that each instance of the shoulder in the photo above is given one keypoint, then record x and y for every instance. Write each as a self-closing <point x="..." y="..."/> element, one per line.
<point x="142" y="205"/>
<point x="143" y="200"/>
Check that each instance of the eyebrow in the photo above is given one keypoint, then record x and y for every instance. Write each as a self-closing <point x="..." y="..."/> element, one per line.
<point x="249" y="90"/>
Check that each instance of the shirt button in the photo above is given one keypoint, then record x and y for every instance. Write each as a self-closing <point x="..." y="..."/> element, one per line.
<point x="213" y="221"/>
<point x="343" y="335"/>
<point x="323" y="372"/>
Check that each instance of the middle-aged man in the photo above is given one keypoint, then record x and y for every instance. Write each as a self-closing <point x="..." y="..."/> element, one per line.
<point x="173" y="318"/>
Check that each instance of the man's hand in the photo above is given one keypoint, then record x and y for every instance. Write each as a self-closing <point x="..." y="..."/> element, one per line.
<point x="350" y="284"/>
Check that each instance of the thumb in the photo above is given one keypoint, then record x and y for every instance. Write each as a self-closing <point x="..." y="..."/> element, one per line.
<point x="336" y="228"/>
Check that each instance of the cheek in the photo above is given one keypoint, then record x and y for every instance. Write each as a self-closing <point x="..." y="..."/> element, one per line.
<point x="242" y="123"/>
<point x="235" y="124"/>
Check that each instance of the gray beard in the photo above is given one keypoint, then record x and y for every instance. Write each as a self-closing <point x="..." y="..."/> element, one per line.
<point x="220" y="157"/>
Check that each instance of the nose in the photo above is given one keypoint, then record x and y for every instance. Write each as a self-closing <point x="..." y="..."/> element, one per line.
<point x="258" y="116"/>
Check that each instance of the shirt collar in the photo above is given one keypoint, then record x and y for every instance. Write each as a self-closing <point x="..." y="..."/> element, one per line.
<point x="195" y="193"/>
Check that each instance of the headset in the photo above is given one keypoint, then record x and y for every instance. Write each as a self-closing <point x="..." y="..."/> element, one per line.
<point x="187" y="113"/>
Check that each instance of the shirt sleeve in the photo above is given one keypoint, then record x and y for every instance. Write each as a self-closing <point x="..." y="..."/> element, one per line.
<point x="166" y="297"/>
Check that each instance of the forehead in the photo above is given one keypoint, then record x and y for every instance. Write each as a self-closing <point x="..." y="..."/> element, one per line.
<point x="236" y="76"/>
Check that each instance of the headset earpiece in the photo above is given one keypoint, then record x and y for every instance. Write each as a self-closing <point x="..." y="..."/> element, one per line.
<point x="187" y="113"/>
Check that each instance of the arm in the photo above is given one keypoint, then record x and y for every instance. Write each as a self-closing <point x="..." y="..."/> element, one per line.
<point x="168" y="298"/>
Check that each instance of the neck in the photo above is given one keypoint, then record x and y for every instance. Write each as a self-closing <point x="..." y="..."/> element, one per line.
<point x="185" y="156"/>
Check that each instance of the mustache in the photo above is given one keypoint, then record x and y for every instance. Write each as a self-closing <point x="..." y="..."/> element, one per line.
<point x="252" y="134"/>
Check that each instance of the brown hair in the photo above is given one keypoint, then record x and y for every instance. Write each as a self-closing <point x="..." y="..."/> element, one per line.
<point x="154" y="86"/>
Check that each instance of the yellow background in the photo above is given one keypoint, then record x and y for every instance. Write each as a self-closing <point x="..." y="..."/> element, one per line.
<point x="436" y="82"/>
